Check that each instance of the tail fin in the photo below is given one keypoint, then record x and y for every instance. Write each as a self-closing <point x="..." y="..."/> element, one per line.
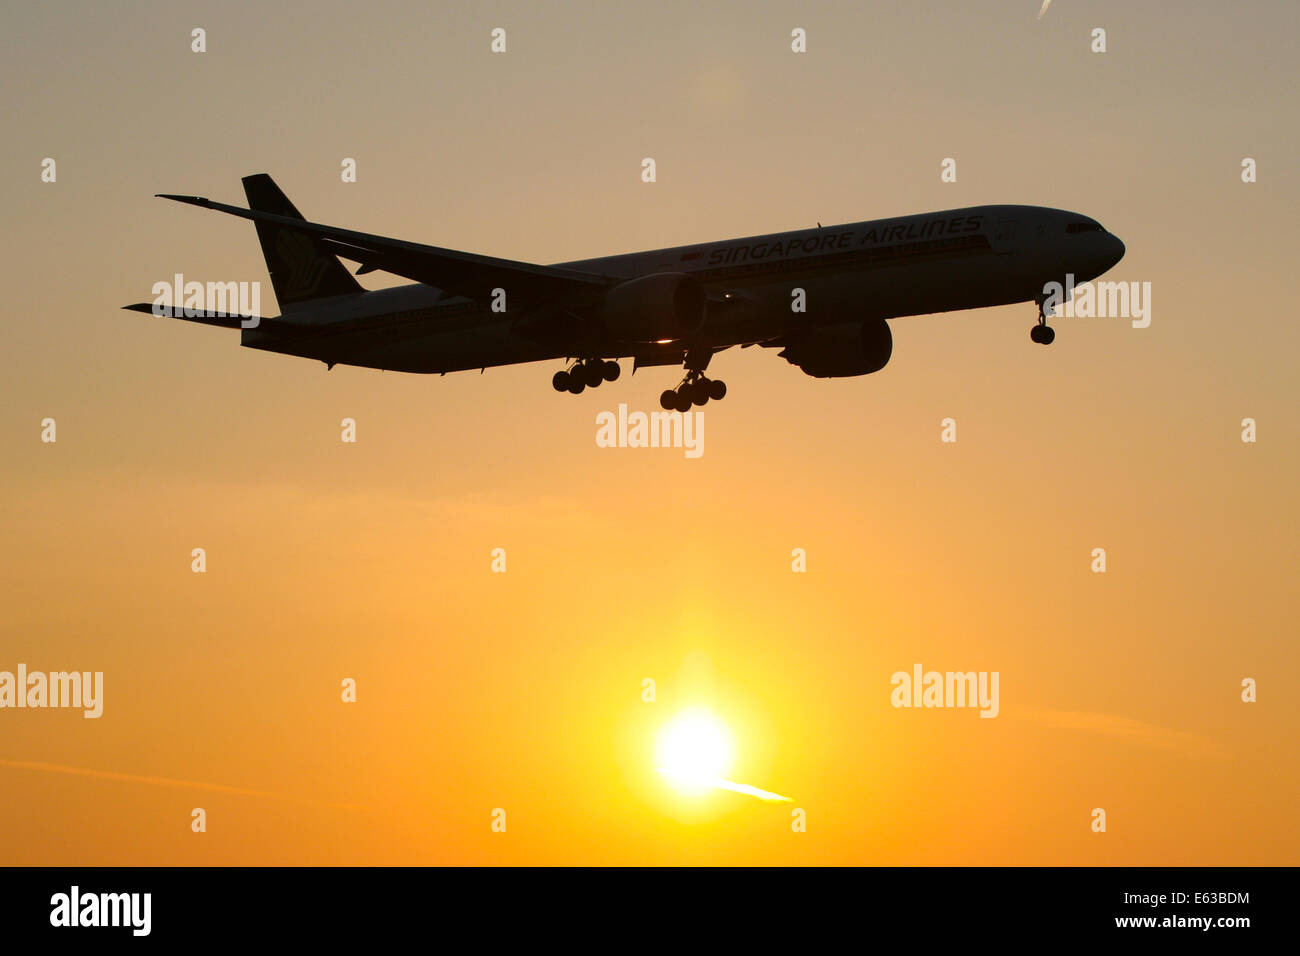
<point x="301" y="269"/>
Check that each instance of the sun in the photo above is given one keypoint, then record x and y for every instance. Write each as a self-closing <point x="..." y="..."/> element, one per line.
<point x="695" y="750"/>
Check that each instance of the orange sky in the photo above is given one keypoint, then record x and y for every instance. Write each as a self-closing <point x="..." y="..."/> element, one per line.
<point x="523" y="690"/>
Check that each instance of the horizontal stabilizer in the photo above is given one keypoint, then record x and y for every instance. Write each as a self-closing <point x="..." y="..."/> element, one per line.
<point x="222" y="321"/>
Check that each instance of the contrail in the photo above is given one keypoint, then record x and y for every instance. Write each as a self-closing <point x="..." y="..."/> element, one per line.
<point x="169" y="782"/>
<point x="1046" y="4"/>
<point x="721" y="784"/>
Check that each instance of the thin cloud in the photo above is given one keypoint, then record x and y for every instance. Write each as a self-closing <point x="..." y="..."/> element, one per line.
<point x="169" y="782"/>
<point x="1116" y="725"/>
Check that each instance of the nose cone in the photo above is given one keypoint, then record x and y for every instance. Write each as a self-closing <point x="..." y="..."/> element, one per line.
<point x="1114" y="251"/>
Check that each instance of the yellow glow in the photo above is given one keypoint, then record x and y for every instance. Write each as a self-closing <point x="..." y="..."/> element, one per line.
<point x="695" y="750"/>
<point x="525" y="691"/>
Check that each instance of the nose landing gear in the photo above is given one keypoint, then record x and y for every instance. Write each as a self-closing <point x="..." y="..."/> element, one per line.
<point x="1042" y="333"/>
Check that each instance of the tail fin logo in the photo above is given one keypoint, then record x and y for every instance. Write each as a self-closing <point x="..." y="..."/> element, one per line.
<point x="305" y="264"/>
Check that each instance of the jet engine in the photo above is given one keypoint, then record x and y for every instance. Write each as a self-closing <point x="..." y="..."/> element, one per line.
<point x="665" y="305"/>
<point x="849" y="348"/>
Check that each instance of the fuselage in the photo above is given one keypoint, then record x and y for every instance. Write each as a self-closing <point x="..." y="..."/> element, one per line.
<point x="881" y="269"/>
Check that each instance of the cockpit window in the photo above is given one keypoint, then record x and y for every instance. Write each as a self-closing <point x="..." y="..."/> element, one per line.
<point x="1084" y="227"/>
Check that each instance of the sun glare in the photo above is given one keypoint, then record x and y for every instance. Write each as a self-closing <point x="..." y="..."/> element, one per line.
<point x="695" y="750"/>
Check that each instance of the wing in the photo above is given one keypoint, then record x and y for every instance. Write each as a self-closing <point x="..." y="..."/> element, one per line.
<point x="458" y="273"/>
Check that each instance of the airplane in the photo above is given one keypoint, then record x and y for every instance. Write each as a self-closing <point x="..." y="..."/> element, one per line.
<point x="822" y="296"/>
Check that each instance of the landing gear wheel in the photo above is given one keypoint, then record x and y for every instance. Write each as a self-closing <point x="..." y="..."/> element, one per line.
<point x="1042" y="333"/>
<point x="592" y="374"/>
<point x="683" y="400"/>
<point x="668" y="400"/>
<point x="610" y="370"/>
<point x="576" y="384"/>
<point x="560" y="381"/>
<point x="717" y="389"/>
<point x="699" y="391"/>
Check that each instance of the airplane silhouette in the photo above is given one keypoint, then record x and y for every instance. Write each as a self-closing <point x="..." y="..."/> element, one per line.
<point x="822" y="296"/>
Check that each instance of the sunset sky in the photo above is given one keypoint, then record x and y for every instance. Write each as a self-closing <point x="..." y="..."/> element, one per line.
<point x="523" y="690"/>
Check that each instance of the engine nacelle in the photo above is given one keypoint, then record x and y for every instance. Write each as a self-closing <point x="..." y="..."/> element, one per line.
<point x="835" y="351"/>
<point x="665" y="305"/>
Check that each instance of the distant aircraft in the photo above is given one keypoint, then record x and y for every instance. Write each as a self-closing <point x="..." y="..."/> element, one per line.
<point x="822" y="296"/>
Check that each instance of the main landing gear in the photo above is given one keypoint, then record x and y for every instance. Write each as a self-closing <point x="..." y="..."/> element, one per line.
<point x="1042" y="333"/>
<point x="587" y="373"/>
<point x="695" y="389"/>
